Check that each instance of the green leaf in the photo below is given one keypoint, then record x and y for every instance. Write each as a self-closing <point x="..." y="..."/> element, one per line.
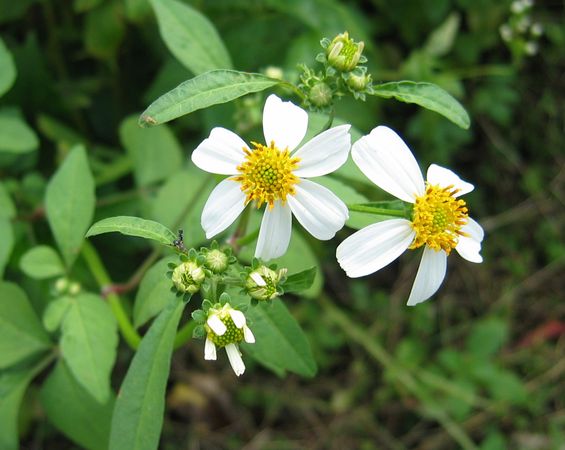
<point x="55" y="313"/>
<point x="7" y="208"/>
<point x="138" y="414"/>
<point x="21" y="333"/>
<point x="154" y="292"/>
<point x="280" y="344"/>
<point x="427" y="95"/>
<point x="133" y="226"/>
<point x="104" y="30"/>
<point x="298" y="282"/>
<point x="41" y="262"/>
<point x="88" y="343"/>
<point x="441" y="40"/>
<point x="17" y="136"/>
<point x="202" y="91"/>
<point x="73" y="411"/>
<point x="69" y="203"/>
<point x="487" y="337"/>
<point x="190" y="37"/>
<point x="6" y="243"/>
<point x="156" y="153"/>
<point x="8" y="69"/>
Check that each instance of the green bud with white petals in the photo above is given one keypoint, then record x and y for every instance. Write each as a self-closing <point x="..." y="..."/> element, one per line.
<point x="344" y="53"/>
<point x="263" y="283"/>
<point x="188" y="277"/>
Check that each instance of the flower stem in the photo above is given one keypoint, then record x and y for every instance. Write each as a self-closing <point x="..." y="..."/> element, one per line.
<point x="377" y="211"/>
<point x="99" y="272"/>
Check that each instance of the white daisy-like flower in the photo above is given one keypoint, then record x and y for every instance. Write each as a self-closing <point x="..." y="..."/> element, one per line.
<point x="275" y="174"/>
<point x="226" y="327"/>
<point x="440" y="221"/>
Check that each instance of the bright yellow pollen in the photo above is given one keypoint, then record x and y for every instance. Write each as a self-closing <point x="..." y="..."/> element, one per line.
<point x="266" y="174"/>
<point x="438" y="217"/>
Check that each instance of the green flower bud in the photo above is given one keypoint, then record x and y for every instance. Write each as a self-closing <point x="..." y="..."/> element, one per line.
<point x="61" y="286"/>
<point x="358" y="82"/>
<point x="262" y="283"/>
<point x="344" y="53"/>
<point x="188" y="277"/>
<point x="217" y="261"/>
<point x="320" y="94"/>
<point x="74" y="288"/>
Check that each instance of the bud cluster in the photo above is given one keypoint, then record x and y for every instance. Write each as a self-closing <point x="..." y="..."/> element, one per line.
<point x="520" y="33"/>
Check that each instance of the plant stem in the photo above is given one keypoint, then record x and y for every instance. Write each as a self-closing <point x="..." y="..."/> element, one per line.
<point x="377" y="211"/>
<point x="99" y="272"/>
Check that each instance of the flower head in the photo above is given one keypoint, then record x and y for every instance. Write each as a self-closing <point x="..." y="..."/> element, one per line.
<point x="188" y="277"/>
<point x="344" y="53"/>
<point x="274" y="174"/>
<point x="225" y="328"/>
<point x="262" y="283"/>
<point x="439" y="222"/>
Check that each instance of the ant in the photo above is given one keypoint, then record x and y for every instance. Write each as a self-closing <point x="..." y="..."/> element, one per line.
<point x="179" y="242"/>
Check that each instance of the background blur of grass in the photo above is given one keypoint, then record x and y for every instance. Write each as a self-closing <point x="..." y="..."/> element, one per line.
<point x="482" y="362"/>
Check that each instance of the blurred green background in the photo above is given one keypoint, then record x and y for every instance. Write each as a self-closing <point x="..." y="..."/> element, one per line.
<point x="480" y="365"/>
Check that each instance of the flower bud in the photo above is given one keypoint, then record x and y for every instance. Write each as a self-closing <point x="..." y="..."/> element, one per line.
<point x="320" y="94"/>
<point x="188" y="277"/>
<point x="344" y="53"/>
<point x="358" y="82"/>
<point x="74" y="288"/>
<point x="262" y="283"/>
<point x="217" y="261"/>
<point x="61" y="286"/>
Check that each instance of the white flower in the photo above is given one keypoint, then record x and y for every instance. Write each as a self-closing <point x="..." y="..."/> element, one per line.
<point x="227" y="327"/>
<point x="439" y="223"/>
<point x="275" y="174"/>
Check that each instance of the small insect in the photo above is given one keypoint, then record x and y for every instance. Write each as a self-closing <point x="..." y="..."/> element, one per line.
<point x="179" y="241"/>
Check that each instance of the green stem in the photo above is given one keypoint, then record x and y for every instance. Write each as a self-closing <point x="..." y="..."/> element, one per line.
<point x="247" y="239"/>
<point x="184" y="334"/>
<point x="329" y="122"/>
<point x="294" y="89"/>
<point x="99" y="272"/>
<point x="377" y="211"/>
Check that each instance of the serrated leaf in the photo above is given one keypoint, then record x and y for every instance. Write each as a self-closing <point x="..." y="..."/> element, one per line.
<point x="88" y="343"/>
<point x="156" y="153"/>
<point x="69" y="203"/>
<point x="73" y="411"/>
<point x="427" y="95"/>
<point x="154" y="292"/>
<point x="6" y="242"/>
<point x="298" y="282"/>
<point x="133" y="226"/>
<point x="190" y="37"/>
<point x="138" y="414"/>
<point x="17" y="136"/>
<point x="21" y="333"/>
<point x="8" y="71"/>
<point x="41" y="262"/>
<point x="202" y="91"/>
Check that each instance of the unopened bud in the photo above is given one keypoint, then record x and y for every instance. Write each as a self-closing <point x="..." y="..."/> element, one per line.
<point x="320" y="94"/>
<point x="217" y="261"/>
<point x="262" y="283"/>
<point x="188" y="277"/>
<point x="344" y="53"/>
<point x="358" y="82"/>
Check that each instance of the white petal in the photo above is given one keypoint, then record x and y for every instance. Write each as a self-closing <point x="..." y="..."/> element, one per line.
<point x="274" y="234"/>
<point x="469" y="247"/>
<point x="444" y="177"/>
<point x="225" y="204"/>
<point x="375" y="246"/>
<point x="284" y="123"/>
<point x="318" y="209"/>
<point x="248" y="335"/>
<point x="238" y="318"/>
<point x="220" y="153"/>
<point x="259" y="281"/>
<point x="216" y="324"/>
<point x="385" y="159"/>
<point x="429" y="277"/>
<point x="235" y="359"/>
<point x="324" y="153"/>
<point x="209" y="350"/>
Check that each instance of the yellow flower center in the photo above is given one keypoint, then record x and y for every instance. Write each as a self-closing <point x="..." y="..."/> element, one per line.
<point x="266" y="174"/>
<point x="438" y="217"/>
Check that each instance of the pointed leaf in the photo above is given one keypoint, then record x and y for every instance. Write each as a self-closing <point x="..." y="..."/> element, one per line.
<point x="298" y="282"/>
<point x="42" y="262"/>
<point x="8" y="71"/>
<point x="133" y="226"/>
<point x="69" y="202"/>
<point x="138" y="414"/>
<point x="17" y="136"/>
<point x="202" y="91"/>
<point x="427" y="95"/>
<point x="190" y="37"/>
<point x="21" y="333"/>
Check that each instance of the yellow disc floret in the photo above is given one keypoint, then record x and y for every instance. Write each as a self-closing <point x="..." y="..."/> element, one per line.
<point x="438" y="217"/>
<point x="267" y="174"/>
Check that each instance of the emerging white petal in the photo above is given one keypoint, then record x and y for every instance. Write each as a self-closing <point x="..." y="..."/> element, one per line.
<point x="274" y="234"/>
<point x="284" y="123"/>
<point x="248" y="335"/>
<point x="375" y="246"/>
<point x="220" y="153"/>
<point x="469" y="247"/>
<point x="209" y="350"/>
<point x="318" y="209"/>
<point x="431" y="273"/>
<point x="225" y="204"/>
<point x="474" y="230"/>
<point x="216" y="325"/>
<point x="238" y="318"/>
<point x="324" y="153"/>
<point x="259" y="281"/>
<point x="385" y="159"/>
<point x="444" y="177"/>
<point x="235" y="359"/>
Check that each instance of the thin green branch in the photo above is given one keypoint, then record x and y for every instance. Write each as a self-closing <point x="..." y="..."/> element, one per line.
<point x="377" y="211"/>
